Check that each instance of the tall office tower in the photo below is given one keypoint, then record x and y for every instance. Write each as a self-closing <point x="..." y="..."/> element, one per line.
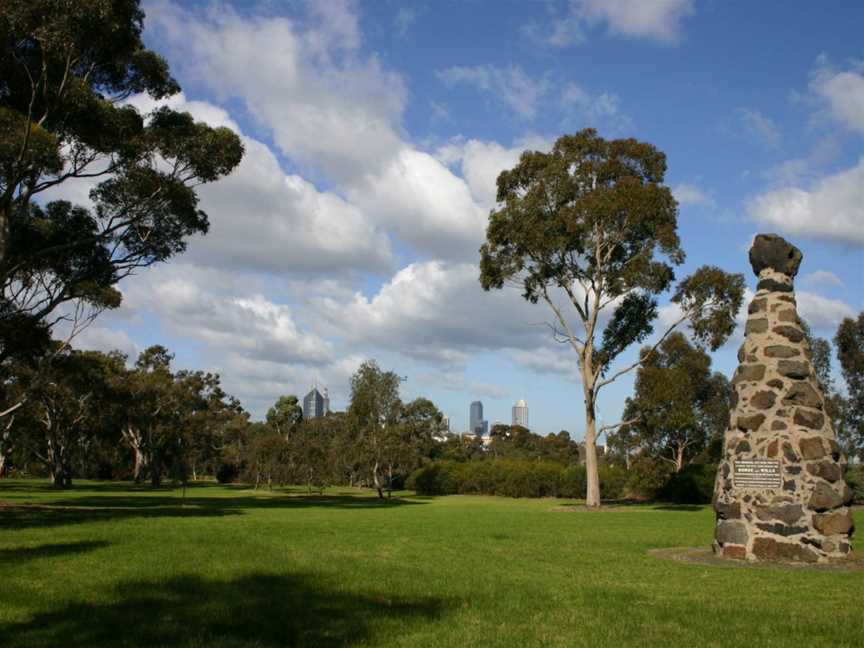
<point x="445" y="424"/>
<point x="315" y="404"/>
<point x="475" y="418"/>
<point x="520" y="413"/>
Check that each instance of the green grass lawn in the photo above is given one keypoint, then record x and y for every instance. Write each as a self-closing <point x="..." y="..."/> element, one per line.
<point x="113" y="565"/>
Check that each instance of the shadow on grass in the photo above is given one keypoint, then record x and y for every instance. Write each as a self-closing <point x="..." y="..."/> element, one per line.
<point x="38" y="516"/>
<point x="256" y="610"/>
<point x="679" y="507"/>
<point x="22" y="554"/>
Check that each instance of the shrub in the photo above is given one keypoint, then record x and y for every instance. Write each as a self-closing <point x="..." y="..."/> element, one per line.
<point x="613" y="482"/>
<point x="648" y="475"/>
<point x="227" y="473"/>
<point x="855" y="479"/>
<point x="693" y="485"/>
<point x="573" y="483"/>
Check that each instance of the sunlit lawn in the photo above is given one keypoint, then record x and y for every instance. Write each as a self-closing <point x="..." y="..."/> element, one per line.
<point x="113" y="565"/>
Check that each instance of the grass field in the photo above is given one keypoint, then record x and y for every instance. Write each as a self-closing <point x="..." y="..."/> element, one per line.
<point x="113" y="565"/>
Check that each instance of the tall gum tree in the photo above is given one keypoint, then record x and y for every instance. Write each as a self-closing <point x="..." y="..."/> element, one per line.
<point x="67" y="71"/>
<point x="592" y="225"/>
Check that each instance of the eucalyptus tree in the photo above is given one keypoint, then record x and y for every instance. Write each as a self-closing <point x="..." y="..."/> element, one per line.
<point x="285" y="414"/>
<point x="849" y="341"/>
<point x="374" y="411"/>
<point x="68" y="69"/>
<point x="678" y="404"/>
<point x="590" y="229"/>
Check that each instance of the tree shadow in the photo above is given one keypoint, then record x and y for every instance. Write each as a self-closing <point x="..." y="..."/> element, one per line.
<point x="257" y="610"/>
<point x="28" y="516"/>
<point x="692" y="508"/>
<point x="22" y="554"/>
<point x="251" y="500"/>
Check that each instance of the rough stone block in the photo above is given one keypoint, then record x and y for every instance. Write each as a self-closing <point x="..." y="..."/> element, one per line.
<point x="809" y="419"/>
<point x="787" y="513"/>
<point x="802" y="393"/>
<point x="824" y="498"/>
<point x="812" y="448"/>
<point x="769" y="549"/>
<point x="836" y="523"/>
<point x="795" y="369"/>
<point x="731" y="532"/>
<point x="791" y="333"/>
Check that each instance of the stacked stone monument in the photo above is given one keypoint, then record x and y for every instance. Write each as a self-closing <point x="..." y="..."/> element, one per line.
<point x="780" y="493"/>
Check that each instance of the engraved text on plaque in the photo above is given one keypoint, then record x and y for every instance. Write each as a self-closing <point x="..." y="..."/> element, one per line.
<point x="756" y="473"/>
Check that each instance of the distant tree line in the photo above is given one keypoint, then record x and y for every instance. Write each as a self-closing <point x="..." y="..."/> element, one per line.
<point x="100" y="415"/>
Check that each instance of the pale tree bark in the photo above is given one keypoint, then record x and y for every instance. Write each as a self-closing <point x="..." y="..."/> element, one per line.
<point x="135" y="439"/>
<point x="6" y="446"/>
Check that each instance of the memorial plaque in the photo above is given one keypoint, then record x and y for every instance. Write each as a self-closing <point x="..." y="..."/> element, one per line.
<point x="756" y="473"/>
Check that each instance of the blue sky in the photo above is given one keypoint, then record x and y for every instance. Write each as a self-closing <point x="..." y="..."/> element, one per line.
<point x="375" y="131"/>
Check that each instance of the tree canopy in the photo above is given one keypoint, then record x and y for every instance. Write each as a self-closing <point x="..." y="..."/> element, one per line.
<point x="69" y="70"/>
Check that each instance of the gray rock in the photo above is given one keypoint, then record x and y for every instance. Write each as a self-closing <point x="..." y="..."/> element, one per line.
<point x="749" y="372"/>
<point x="791" y="333"/>
<point x="811" y="448"/>
<point x="731" y="532"/>
<point x="802" y="393"/>
<point x="786" y="513"/>
<point x="756" y="326"/>
<point x="751" y="422"/>
<point x="795" y="369"/>
<point x="774" y="252"/>
<point x="763" y="400"/>
<point x="777" y="351"/>
<point x="809" y="419"/>
<point x="834" y="523"/>
<point x="824" y="498"/>
<point x="827" y="470"/>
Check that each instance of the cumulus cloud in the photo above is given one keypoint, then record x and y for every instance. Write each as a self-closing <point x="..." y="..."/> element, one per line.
<point x="688" y="194"/>
<point x="437" y="312"/>
<point x="241" y="322"/>
<point x="832" y="209"/>
<point x="841" y="93"/>
<point x="763" y="128"/>
<point x="426" y="205"/>
<point x="456" y="381"/>
<point x="658" y="20"/>
<point x="822" y="312"/>
<point x="334" y="110"/>
<point x="304" y="79"/>
<point x="481" y="162"/>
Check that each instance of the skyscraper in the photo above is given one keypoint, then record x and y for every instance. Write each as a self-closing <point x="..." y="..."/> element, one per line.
<point x="476" y="424"/>
<point x="316" y="404"/>
<point x="520" y="413"/>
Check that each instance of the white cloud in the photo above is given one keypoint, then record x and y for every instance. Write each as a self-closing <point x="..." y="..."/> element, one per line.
<point x="326" y="105"/>
<point x="822" y="312"/>
<point x="428" y="206"/>
<point x="688" y="194"/>
<point x="832" y="209"/>
<point x="102" y="338"/>
<point x="821" y="277"/>
<point x="761" y="127"/>
<point x="658" y="20"/>
<point x="481" y="163"/>
<point x="511" y="84"/>
<point x="559" y="359"/>
<point x="437" y="312"/>
<point x="841" y="93"/>
<point x="225" y="319"/>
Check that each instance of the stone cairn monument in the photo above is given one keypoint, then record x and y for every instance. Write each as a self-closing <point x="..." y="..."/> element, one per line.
<point x="779" y="494"/>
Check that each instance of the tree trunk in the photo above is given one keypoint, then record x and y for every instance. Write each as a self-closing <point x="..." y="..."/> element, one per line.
<point x="679" y="457"/>
<point x="2" y="464"/>
<point x="377" y="481"/>
<point x="592" y="475"/>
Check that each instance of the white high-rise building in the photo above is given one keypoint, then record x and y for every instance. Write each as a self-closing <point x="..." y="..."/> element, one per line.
<point x="520" y="413"/>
